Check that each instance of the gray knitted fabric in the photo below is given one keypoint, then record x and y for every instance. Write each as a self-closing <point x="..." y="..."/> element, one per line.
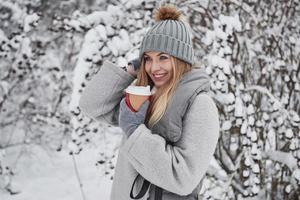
<point x="171" y="37"/>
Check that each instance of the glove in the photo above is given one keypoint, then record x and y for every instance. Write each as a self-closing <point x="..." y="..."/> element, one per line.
<point x="135" y="63"/>
<point x="133" y="67"/>
<point x="129" y="120"/>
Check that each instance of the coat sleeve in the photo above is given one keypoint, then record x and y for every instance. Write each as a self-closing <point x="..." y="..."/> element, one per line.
<point x="103" y="93"/>
<point x="179" y="167"/>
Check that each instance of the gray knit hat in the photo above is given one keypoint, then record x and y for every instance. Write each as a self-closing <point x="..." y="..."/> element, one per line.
<point x="169" y="35"/>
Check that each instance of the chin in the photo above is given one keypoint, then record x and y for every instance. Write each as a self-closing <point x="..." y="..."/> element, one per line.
<point x="159" y="84"/>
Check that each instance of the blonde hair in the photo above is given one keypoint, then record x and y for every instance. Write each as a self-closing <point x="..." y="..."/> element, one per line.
<point x="159" y="101"/>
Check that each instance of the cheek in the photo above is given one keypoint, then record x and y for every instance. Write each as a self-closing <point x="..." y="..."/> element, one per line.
<point x="169" y="68"/>
<point x="169" y="77"/>
<point x="147" y="69"/>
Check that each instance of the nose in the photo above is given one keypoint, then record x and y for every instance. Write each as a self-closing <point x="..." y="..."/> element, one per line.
<point x="155" y="66"/>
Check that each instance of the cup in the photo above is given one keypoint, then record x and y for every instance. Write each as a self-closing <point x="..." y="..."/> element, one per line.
<point x="136" y="96"/>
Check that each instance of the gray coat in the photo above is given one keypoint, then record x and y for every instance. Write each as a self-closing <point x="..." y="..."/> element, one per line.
<point x="175" y="155"/>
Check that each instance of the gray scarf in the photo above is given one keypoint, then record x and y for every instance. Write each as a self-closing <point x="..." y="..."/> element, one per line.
<point x="191" y="84"/>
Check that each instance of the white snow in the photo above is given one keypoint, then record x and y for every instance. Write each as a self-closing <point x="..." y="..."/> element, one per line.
<point x="288" y="188"/>
<point x="293" y="144"/>
<point x="282" y="157"/>
<point x="121" y="61"/>
<point x="255" y="189"/>
<point x="265" y="116"/>
<point x="246" y="173"/>
<point x="221" y="77"/>
<point x="271" y="139"/>
<point x="246" y="183"/>
<point x="238" y="69"/>
<point x="219" y="62"/>
<point x="30" y="21"/>
<point x="101" y="31"/>
<point x="17" y="12"/>
<point x="251" y="120"/>
<point x="232" y="22"/>
<point x="51" y="175"/>
<point x="296" y="174"/>
<point x="238" y="112"/>
<point x="289" y="133"/>
<point x="250" y="109"/>
<point x="234" y="146"/>
<point x="255" y="168"/>
<point x="247" y="161"/>
<point x="294" y="117"/>
<point x="226" y="125"/>
<point x="120" y="44"/>
<point x="255" y="152"/>
<point x="297" y="87"/>
<point x="244" y="127"/>
<point x="253" y="136"/>
<point x="90" y="46"/>
<point x="256" y="180"/>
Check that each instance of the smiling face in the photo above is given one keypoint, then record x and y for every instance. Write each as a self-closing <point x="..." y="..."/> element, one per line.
<point x="158" y="66"/>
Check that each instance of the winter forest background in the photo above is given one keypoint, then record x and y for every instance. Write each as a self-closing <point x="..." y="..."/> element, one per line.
<point x="49" y="50"/>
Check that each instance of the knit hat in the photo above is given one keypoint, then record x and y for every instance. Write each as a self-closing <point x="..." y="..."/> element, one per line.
<point x="169" y="35"/>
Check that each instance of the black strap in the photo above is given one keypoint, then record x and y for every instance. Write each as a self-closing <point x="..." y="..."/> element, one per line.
<point x="143" y="190"/>
<point x="145" y="186"/>
<point x="158" y="193"/>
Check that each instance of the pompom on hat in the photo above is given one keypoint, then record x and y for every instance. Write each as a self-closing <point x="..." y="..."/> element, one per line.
<point x="169" y="35"/>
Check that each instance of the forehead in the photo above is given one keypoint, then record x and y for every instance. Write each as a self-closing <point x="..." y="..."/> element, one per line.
<point x="154" y="53"/>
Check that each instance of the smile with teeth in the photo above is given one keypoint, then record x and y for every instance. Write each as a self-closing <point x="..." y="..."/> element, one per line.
<point x="159" y="75"/>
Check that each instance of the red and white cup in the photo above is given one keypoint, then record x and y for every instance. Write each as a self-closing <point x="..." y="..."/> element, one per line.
<point x="136" y="96"/>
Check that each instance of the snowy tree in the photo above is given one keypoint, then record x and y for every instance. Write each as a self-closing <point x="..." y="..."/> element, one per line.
<point x="252" y="55"/>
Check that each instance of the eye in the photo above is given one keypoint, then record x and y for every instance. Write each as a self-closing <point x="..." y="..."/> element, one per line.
<point x="146" y="58"/>
<point x="162" y="57"/>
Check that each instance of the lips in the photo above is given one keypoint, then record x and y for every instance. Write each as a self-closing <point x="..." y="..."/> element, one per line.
<point x="159" y="77"/>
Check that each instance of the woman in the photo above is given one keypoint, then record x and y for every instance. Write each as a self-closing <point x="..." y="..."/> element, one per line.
<point x="170" y="141"/>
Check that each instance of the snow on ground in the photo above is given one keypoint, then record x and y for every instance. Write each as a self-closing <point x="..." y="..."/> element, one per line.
<point x="51" y="176"/>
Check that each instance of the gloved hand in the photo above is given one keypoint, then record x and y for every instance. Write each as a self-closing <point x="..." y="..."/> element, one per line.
<point x="133" y="67"/>
<point x="135" y="63"/>
<point x="129" y="120"/>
